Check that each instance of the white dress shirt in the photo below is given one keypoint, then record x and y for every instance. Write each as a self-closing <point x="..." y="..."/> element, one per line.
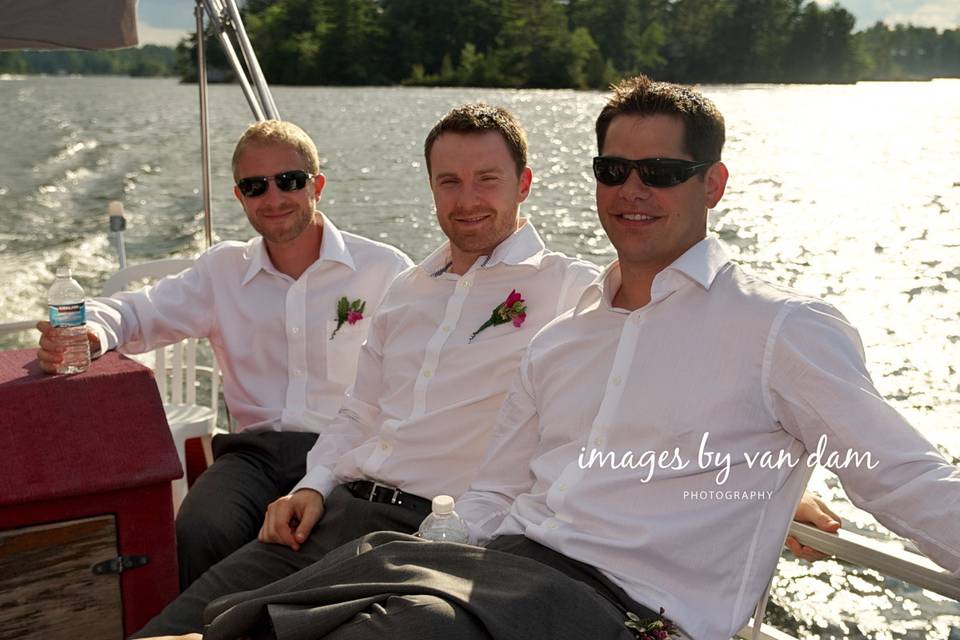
<point x="270" y="333"/>
<point x="716" y="350"/>
<point x="426" y="398"/>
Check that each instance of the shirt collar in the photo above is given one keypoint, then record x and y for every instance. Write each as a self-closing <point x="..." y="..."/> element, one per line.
<point x="700" y="263"/>
<point x="332" y="247"/>
<point x="523" y="247"/>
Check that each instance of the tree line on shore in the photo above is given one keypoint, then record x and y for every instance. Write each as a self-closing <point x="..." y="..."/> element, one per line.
<point x="553" y="44"/>
<point x="146" y="61"/>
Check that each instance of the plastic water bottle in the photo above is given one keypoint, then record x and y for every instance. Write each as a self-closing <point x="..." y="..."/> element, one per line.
<point x="68" y="313"/>
<point x="443" y="525"/>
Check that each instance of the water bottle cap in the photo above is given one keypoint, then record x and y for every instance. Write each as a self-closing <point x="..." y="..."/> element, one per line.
<point x="64" y="272"/>
<point x="442" y="505"/>
<point x="115" y="208"/>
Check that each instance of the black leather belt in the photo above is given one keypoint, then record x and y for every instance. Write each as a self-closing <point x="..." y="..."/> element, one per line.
<point x="375" y="492"/>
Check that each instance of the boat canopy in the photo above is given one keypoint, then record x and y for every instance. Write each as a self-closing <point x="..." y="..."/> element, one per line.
<point x="68" y="24"/>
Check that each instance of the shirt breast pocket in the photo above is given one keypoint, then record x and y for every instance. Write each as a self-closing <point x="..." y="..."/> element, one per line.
<point x="343" y="350"/>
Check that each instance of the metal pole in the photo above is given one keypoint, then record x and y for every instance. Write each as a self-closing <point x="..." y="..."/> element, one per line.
<point x="214" y="13"/>
<point x="256" y="73"/>
<point x="117" y="226"/>
<point x="204" y="132"/>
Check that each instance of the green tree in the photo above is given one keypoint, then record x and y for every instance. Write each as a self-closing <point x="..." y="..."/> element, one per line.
<point x="629" y="33"/>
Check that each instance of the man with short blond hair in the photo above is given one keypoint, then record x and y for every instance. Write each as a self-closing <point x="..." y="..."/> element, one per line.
<point x="269" y="307"/>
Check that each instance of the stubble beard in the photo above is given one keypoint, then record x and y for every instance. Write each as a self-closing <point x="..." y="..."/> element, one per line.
<point x="297" y="224"/>
<point x="487" y="238"/>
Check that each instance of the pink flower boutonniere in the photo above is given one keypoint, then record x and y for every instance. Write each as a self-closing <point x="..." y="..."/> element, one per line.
<point x="349" y="312"/>
<point x="512" y="309"/>
<point x="658" y="628"/>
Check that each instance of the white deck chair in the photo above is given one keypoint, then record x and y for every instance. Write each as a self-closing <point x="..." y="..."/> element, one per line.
<point x="175" y="368"/>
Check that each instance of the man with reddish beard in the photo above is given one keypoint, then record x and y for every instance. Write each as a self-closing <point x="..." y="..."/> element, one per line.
<point x="270" y="309"/>
<point x="432" y="374"/>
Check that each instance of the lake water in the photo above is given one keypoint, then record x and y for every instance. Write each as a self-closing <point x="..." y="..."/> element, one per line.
<point x="849" y="193"/>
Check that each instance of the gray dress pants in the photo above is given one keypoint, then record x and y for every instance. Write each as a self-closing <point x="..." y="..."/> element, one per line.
<point x="224" y="508"/>
<point x="392" y="586"/>
<point x="256" y="564"/>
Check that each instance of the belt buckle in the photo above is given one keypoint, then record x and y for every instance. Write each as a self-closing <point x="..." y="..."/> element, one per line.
<point x="377" y="485"/>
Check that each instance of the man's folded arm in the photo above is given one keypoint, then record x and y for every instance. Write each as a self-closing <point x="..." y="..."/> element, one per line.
<point x="821" y="393"/>
<point x="505" y="472"/>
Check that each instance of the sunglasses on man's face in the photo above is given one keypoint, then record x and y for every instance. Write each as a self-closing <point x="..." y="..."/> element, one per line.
<point x="653" y="172"/>
<point x="287" y="181"/>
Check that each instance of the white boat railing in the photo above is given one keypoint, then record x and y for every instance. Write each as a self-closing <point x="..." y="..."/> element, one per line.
<point x="17" y="326"/>
<point x="884" y="557"/>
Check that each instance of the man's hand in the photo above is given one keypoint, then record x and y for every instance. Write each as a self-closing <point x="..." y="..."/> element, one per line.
<point x="814" y="511"/>
<point x="50" y="353"/>
<point x="290" y="519"/>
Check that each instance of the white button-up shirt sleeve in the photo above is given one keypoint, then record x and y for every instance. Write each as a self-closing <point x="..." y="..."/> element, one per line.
<point x="821" y="393"/>
<point x="580" y="275"/>
<point x="505" y="472"/>
<point x="175" y="308"/>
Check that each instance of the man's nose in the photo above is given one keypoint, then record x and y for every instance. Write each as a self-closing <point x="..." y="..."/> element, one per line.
<point x="273" y="195"/>
<point x="634" y="188"/>
<point x="468" y="196"/>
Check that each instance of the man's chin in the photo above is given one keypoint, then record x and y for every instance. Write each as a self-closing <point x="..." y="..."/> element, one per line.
<point x="477" y="244"/>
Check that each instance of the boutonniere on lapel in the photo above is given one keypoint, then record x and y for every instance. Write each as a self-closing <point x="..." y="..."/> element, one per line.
<point x="512" y="309"/>
<point x="658" y="628"/>
<point x="349" y="312"/>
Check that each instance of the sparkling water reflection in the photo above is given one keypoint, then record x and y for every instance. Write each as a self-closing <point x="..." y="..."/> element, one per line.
<point x="850" y="193"/>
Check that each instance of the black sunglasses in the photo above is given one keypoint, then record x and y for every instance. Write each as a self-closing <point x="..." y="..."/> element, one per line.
<point x="653" y="172"/>
<point x="286" y="181"/>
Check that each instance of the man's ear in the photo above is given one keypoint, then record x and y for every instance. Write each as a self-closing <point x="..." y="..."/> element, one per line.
<point x="237" y="194"/>
<point x="526" y="179"/>
<point x="716" y="183"/>
<point x="318" y="183"/>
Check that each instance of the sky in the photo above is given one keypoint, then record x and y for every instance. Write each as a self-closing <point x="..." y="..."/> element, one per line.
<point x="166" y="21"/>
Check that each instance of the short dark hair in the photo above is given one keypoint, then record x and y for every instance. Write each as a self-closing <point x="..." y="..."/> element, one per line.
<point x="703" y="126"/>
<point x="481" y="118"/>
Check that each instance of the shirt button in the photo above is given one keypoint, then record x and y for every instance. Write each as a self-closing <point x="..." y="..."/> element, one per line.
<point x="616" y="381"/>
<point x="445" y="328"/>
<point x="561" y="487"/>
<point x="550" y="524"/>
<point x="598" y="442"/>
<point x="385" y="446"/>
<point x="427" y="373"/>
<point x="297" y="373"/>
<point x="464" y="283"/>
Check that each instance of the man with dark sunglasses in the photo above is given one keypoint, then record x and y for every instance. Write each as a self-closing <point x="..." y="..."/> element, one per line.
<point x="271" y="308"/>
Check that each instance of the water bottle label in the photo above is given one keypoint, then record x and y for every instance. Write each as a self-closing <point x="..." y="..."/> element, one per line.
<point x="68" y="315"/>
